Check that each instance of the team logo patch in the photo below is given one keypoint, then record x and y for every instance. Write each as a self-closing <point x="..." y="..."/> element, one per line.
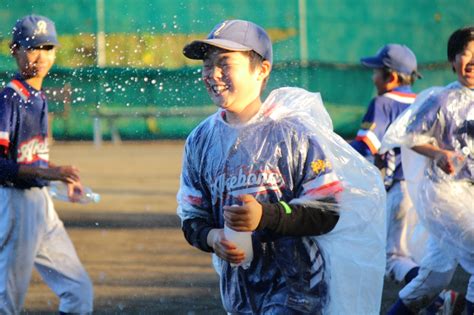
<point x="320" y="166"/>
<point x="218" y="29"/>
<point x="368" y="125"/>
<point x="248" y="182"/>
<point x="33" y="150"/>
<point x="41" y="28"/>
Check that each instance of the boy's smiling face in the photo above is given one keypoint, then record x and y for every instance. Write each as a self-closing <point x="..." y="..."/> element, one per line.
<point x="230" y="81"/>
<point x="464" y="65"/>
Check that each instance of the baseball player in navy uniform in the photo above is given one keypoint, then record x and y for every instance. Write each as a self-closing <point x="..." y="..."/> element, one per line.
<point x="441" y="128"/>
<point x="31" y="234"/>
<point x="260" y="167"/>
<point x="394" y="71"/>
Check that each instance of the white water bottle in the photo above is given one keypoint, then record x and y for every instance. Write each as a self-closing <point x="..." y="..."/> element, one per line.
<point x="58" y="190"/>
<point x="243" y="240"/>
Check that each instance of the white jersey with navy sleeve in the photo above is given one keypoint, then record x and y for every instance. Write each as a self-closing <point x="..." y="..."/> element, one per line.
<point x="288" y="152"/>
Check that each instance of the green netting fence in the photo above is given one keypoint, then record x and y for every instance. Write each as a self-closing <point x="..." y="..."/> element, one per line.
<point x="346" y="91"/>
<point x="317" y="45"/>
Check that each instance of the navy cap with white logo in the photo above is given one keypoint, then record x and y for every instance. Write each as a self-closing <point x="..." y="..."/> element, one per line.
<point x="34" y="31"/>
<point x="394" y="56"/>
<point x="233" y="35"/>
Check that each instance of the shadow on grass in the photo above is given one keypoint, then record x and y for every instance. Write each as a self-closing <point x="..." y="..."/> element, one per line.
<point x="152" y="305"/>
<point x="110" y="220"/>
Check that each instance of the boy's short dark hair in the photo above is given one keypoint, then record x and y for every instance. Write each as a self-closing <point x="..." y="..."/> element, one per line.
<point x="458" y="41"/>
<point x="256" y="61"/>
<point x="403" y="78"/>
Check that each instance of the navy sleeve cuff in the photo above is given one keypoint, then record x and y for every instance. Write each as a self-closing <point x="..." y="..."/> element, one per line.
<point x="196" y="231"/>
<point x="203" y="240"/>
<point x="271" y="213"/>
<point x="8" y="170"/>
<point x="299" y="220"/>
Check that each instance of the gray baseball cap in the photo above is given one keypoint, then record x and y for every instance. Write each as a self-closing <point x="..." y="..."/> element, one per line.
<point x="233" y="35"/>
<point x="33" y="31"/>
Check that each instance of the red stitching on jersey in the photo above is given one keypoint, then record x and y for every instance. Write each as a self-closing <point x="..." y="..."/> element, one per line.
<point x="5" y="143"/>
<point x="21" y="87"/>
<point x="194" y="200"/>
<point x="403" y="94"/>
<point x="327" y="189"/>
<point x="369" y="143"/>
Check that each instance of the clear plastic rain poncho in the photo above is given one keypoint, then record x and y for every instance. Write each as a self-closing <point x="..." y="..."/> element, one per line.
<point x="274" y="157"/>
<point x="442" y="116"/>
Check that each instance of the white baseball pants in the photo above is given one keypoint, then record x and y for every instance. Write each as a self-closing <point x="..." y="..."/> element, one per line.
<point x="436" y="271"/>
<point x="31" y="234"/>
<point x="400" y="217"/>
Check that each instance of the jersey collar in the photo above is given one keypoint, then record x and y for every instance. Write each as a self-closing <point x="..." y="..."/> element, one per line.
<point x="25" y="90"/>
<point x="402" y="94"/>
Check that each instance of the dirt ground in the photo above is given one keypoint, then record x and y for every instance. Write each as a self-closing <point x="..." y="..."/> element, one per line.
<point x="131" y="243"/>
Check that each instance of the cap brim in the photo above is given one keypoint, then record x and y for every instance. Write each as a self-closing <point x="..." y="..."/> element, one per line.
<point x="372" y="62"/>
<point x="33" y="44"/>
<point x="198" y="48"/>
<point x="376" y="63"/>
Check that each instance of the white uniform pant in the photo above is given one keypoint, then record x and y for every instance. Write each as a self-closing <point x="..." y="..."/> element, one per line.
<point x="31" y="234"/>
<point x="436" y="272"/>
<point x="400" y="217"/>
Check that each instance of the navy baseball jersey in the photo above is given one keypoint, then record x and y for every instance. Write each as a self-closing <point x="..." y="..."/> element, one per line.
<point x="22" y="108"/>
<point x="273" y="161"/>
<point x="382" y="111"/>
<point x="288" y="152"/>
